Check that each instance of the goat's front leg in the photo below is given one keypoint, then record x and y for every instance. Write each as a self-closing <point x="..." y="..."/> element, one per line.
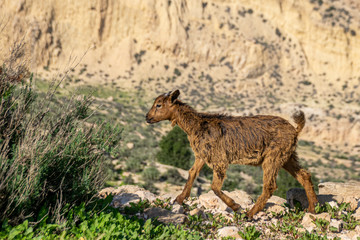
<point x="193" y="173"/>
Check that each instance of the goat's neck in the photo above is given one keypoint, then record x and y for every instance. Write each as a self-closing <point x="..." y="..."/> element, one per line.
<point x="187" y="119"/>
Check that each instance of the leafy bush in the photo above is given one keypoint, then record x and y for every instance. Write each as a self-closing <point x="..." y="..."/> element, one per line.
<point x="49" y="157"/>
<point x="150" y="174"/>
<point x="173" y="176"/>
<point x="175" y="149"/>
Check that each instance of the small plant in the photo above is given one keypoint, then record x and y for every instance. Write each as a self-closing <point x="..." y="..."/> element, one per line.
<point x="177" y="72"/>
<point x="137" y="207"/>
<point x="250" y="233"/>
<point x="163" y="203"/>
<point x="320" y="223"/>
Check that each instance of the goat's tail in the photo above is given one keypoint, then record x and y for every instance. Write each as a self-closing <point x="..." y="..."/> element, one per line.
<point x="299" y="119"/>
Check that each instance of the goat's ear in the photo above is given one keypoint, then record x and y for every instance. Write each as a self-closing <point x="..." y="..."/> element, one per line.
<point x="174" y="95"/>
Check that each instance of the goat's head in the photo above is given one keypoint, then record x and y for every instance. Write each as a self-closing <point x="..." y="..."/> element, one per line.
<point x="163" y="107"/>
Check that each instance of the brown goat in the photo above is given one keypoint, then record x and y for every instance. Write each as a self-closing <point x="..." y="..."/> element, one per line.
<point x="220" y="140"/>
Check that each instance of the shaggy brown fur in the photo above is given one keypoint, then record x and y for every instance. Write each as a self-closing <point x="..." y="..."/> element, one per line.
<point x="220" y="140"/>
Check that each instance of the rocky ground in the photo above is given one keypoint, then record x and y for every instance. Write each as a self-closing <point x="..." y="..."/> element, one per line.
<point x="338" y="215"/>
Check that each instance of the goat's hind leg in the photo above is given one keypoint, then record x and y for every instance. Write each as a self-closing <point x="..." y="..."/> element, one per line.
<point x="304" y="178"/>
<point x="193" y="173"/>
<point x="218" y="180"/>
<point x="270" y="172"/>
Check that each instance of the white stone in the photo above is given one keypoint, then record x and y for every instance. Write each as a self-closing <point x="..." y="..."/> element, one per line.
<point x="165" y="216"/>
<point x="177" y="208"/>
<point x="336" y="224"/>
<point x="130" y="145"/>
<point x="230" y="231"/>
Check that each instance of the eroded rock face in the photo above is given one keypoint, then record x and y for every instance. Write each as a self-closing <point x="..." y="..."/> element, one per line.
<point x="181" y="28"/>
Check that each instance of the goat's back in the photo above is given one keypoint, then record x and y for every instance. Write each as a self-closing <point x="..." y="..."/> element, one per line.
<point x="241" y="140"/>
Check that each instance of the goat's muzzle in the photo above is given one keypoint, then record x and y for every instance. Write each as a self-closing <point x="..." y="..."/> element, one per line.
<point x="149" y="120"/>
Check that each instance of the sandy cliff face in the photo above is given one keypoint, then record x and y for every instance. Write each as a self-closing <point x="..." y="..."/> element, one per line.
<point x="278" y="52"/>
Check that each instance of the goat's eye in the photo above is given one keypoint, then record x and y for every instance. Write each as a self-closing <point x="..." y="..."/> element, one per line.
<point x="158" y="105"/>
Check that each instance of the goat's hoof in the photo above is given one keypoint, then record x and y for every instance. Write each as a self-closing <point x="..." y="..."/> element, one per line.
<point x="179" y="200"/>
<point x="250" y="215"/>
<point x="236" y="207"/>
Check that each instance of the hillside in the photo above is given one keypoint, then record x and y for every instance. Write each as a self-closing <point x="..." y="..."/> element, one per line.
<point x="237" y="57"/>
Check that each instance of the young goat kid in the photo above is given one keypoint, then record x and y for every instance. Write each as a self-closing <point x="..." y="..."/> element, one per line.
<point x="220" y="140"/>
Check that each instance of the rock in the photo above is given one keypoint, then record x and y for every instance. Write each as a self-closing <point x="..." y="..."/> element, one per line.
<point x="276" y="200"/>
<point x="357" y="229"/>
<point x="297" y="194"/>
<point x="344" y="237"/>
<point x="230" y="231"/>
<point x="274" y="204"/>
<point x="198" y="212"/>
<point x="176" y="208"/>
<point x="275" y="209"/>
<point x="336" y="224"/>
<point x="344" y="189"/>
<point x="128" y="193"/>
<point x="307" y="221"/>
<point x="130" y="145"/>
<point x="341" y="192"/>
<point x="333" y="204"/>
<point x="242" y="198"/>
<point x="164" y="216"/>
<point x="124" y="199"/>
<point x="357" y="214"/>
<point x="210" y="200"/>
<point x="171" y="196"/>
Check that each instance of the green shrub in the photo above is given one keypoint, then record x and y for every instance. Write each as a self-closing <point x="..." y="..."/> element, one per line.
<point x="150" y="174"/>
<point x="175" y="149"/>
<point x="173" y="176"/>
<point x="134" y="163"/>
<point x="49" y="157"/>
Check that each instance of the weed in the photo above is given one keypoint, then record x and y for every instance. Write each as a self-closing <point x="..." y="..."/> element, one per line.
<point x="250" y="233"/>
